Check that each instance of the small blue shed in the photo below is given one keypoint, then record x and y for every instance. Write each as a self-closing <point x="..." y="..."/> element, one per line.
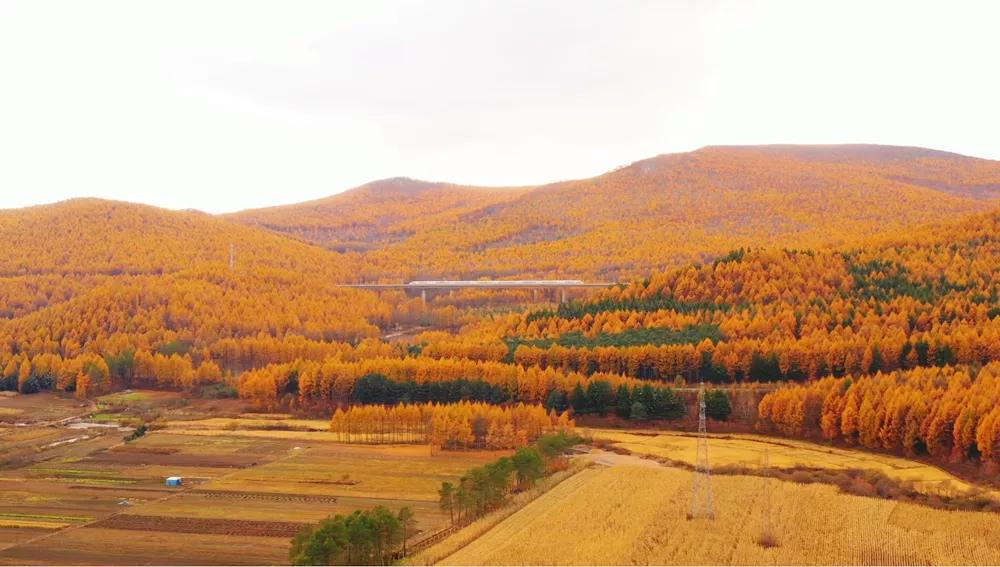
<point x="173" y="481"/>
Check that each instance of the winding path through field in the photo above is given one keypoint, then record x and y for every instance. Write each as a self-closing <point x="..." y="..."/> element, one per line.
<point x="610" y="459"/>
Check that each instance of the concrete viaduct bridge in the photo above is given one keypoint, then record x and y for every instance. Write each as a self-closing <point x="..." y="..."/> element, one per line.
<point x="559" y="286"/>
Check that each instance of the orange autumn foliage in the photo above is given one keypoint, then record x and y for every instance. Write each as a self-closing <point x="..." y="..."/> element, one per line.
<point x="668" y="210"/>
<point x="949" y="412"/>
<point x="459" y="425"/>
<point x="332" y="382"/>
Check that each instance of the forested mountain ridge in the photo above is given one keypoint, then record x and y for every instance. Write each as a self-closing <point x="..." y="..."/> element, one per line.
<point x="91" y="278"/>
<point x="659" y="212"/>
<point x="893" y="345"/>
<point x="95" y="236"/>
<point x="930" y="298"/>
<point x="377" y="214"/>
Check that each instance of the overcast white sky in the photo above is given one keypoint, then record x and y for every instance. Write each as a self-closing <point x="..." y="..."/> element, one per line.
<point x="228" y="105"/>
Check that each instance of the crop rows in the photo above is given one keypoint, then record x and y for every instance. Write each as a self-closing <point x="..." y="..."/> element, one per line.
<point x="201" y="525"/>
<point x="242" y="495"/>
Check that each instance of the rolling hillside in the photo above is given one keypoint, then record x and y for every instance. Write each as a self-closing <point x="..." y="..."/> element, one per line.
<point x="377" y="214"/>
<point x="87" y="277"/>
<point x="94" y="236"/>
<point x="931" y="298"/>
<point x="655" y="213"/>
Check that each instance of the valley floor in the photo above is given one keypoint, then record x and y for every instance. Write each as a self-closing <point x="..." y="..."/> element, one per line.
<point x="71" y="494"/>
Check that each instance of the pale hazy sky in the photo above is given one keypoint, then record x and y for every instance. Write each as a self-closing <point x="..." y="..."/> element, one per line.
<point x="227" y="105"/>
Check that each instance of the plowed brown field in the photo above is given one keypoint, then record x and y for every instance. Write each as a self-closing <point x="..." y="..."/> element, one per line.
<point x="201" y="525"/>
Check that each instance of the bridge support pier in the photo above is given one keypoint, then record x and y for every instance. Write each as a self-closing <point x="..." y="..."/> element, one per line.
<point x="562" y="296"/>
<point x="423" y="297"/>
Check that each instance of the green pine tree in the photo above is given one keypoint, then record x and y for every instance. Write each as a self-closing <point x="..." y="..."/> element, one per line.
<point x="623" y="402"/>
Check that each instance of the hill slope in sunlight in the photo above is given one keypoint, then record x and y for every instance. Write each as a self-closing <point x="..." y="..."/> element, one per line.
<point x="655" y="213"/>
<point x="91" y="276"/>
<point x="94" y="236"/>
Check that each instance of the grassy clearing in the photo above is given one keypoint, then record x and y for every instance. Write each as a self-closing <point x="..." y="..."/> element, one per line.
<point x="637" y="515"/>
<point x="108" y="417"/>
<point x="124" y="398"/>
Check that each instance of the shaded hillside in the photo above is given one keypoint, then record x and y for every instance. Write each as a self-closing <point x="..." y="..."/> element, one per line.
<point x="655" y="213"/>
<point x="377" y="214"/>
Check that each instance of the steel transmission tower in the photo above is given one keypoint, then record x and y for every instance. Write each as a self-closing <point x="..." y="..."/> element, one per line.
<point x="767" y="537"/>
<point x="232" y="257"/>
<point x="701" y="491"/>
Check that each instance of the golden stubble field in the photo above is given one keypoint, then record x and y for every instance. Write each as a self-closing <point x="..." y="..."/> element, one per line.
<point x="746" y="450"/>
<point x="629" y="514"/>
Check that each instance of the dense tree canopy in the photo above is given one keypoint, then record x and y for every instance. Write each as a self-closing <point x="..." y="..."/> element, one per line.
<point x="949" y="412"/>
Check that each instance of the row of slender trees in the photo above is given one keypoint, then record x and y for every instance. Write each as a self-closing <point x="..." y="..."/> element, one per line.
<point x="461" y="425"/>
<point x="487" y="487"/>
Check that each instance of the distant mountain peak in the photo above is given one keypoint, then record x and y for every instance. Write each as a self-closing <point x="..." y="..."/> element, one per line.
<point x="399" y="186"/>
<point x="840" y="152"/>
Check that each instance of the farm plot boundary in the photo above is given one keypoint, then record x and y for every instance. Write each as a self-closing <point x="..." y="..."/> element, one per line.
<point x="201" y="526"/>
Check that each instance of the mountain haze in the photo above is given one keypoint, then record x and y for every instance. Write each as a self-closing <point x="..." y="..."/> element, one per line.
<point x="377" y="213"/>
<point x="656" y="212"/>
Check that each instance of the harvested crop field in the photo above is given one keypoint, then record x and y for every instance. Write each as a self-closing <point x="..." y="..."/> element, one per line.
<point x="276" y="422"/>
<point x="11" y="535"/>
<point x="39" y="408"/>
<point x="105" y="546"/>
<point x="243" y="497"/>
<point x="201" y="526"/>
<point x="745" y="450"/>
<point x="405" y="472"/>
<point x="629" y="514"/>
<point x="116" y="457"/>
<point x="285" y="507"/>
<point x="273" y="496"/>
